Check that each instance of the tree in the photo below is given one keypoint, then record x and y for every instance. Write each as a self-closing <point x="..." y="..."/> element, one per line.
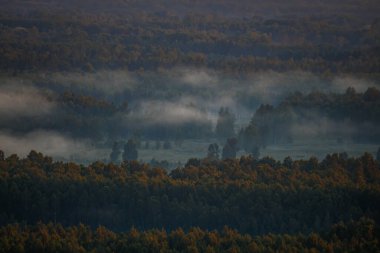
<point x="249" y="139"/>
<point x="130" y="151"/>
<point x="371" y="94"/>
<point x="115" y="153"/>
<point x="288" y="162"/>
<point x="230" y="149"/>
<point x="378" y="155"/>
<point x="225" y="124"/>
<point x="1" y="155"/>
<point x="213" y="151"/>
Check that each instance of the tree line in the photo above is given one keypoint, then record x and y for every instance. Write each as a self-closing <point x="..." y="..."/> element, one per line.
<point x="354" y="236"/>
<point x="255" y="196"/>
<point x="357" y="110"/>
<point x="86" y="41"/>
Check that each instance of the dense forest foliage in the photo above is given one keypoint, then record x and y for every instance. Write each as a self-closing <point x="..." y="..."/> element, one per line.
<point x="358" y="112"/>
<point x="250" y="195"/>
<point x="343" y="41"/>
<point x="360" y="236"/>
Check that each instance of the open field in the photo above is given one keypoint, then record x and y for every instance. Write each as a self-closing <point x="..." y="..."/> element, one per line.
<point x="198" y="149"/>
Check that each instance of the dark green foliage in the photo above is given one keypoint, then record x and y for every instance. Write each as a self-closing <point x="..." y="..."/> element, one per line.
<point x="193" y="162"/>
<point x="273" y="125"/>
<point x="115" y="153"/>
<point x="255" y="196"/>
<point x="230" y="149"/>
<point x="130" y="151"/>
<point x="259" y="36"/>
<point x="213" y="151"/>
<point x="356" y="236"/>
<point x="250" y="139"/>
<point x="288" y="162"/>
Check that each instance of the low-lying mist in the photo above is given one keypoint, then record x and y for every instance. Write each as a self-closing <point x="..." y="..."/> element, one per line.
<point x="182" y="103"/>
<point x="52" y="144"/>
<point x="20" y="100"/>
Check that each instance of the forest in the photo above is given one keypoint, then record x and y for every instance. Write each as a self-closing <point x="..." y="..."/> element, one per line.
<point x="343" y="237"/>
<point x="234" y="205"/>
<point x="189" y="126"/>
<point x="69" y="42"/>
<point x="51" y="39"/>
<point x="255" y="196"/>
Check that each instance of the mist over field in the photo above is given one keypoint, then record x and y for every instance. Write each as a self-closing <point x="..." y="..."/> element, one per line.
<point x="164" y="100"/>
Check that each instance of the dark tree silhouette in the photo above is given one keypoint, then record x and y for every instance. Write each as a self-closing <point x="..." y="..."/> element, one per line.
<point x="213" y="151"/>
<point x="230" y="149"/>
<point x="130" y="151"/>
<point x="288" y="162"/>
<point x="225" y="124"/>
<point x="115" y="153"/>
<point x="249" y="139"/>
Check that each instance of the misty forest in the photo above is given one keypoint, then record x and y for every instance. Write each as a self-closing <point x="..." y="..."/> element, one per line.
<point x="189" y="126"/>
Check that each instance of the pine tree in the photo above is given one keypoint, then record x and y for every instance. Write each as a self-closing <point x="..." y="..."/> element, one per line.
<point x="130" y="151"/>
<point x="225" y="124"/>
<point x="115" y="154"/>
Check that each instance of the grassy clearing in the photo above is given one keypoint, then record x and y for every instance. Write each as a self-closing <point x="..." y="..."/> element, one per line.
<point x="299" y="149"/>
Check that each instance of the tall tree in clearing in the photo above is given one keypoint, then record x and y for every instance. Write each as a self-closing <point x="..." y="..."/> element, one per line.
<point x="225" y="124"/>
<point x="230" y="148"/>
<point x="130" y="151"/>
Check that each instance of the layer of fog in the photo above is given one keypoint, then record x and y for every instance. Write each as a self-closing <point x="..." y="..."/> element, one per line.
<point x="264" y="87"/>
<point x="52" y="144"/>
<point x="21" y="100"/>
<point x="163" y="112"/>
<point x="177" y="96"/>
<point x="321" y="126"/>
<point x="186" y="94"/>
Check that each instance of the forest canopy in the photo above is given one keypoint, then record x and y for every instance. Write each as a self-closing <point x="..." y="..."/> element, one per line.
<point x="59" y="38"/>
<point x="255" y="196"/>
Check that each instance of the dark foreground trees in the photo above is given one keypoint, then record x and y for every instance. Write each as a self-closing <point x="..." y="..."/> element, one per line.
<point x="360" y="236"/>
<point x="255" y="196"/>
